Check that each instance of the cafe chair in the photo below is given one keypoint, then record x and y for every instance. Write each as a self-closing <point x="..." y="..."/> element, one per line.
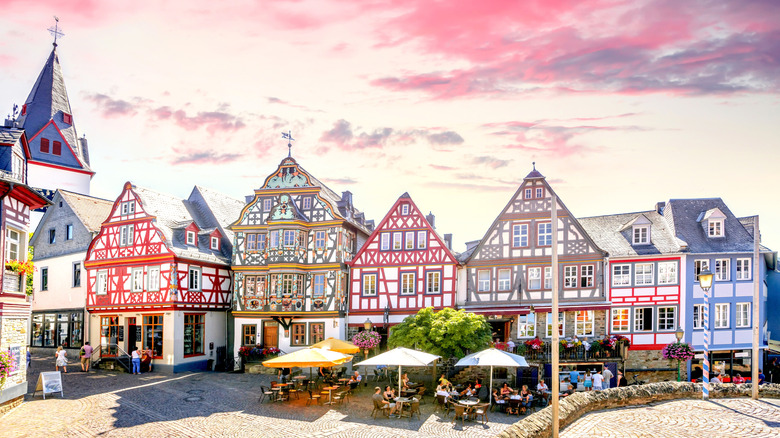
<point x="460" y="412"/>
<point x="415" y="408"/>
<point x="420" y="394"/>
<point x="265" y="392"/>
<point x="480" y="411"/>
<point x="441" y="403"/>
<point x="514" y="407"/>
<point x="316" y="398"/>
<point x="380" y="407"/>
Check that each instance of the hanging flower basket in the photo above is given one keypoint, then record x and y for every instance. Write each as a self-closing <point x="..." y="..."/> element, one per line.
<point x="6" y="366"/>
<point x="367" y="340"/>
<point x="678" y="351"/>
<point x="20" y="267"/>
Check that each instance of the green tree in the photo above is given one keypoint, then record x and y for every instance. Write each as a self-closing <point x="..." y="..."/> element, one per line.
<point x="446" y="333"/>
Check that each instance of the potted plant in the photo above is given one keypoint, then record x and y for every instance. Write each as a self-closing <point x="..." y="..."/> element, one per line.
<point x="366" y="340"/>
<point x="6" y="366"/>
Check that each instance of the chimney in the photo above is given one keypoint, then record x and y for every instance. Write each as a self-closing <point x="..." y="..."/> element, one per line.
<point x="659" y="207"/>
<point x="471" y="244"/>
<point x="431" y="219"/>
<point x="448" y="240"/>
<point x="9" y="122"/>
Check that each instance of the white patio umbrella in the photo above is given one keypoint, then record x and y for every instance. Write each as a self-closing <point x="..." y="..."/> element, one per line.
<point x="401" y="356"/>
<point x="492" y="357"/>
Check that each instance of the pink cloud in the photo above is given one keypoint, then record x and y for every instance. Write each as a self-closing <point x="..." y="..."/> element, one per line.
<point x="202" y="157"/>
<point x="113" y="108"/>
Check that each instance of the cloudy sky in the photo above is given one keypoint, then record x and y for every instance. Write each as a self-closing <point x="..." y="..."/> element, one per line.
<point x="620" y="103"/>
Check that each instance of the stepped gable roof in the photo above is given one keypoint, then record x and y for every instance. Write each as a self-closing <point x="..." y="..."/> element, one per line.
<point x="683" y="216"/>
<point x="613" y="233"/>
<point x="48" y="100"/>
<point x="90" y="210"/>
<point x="9" y="136"/>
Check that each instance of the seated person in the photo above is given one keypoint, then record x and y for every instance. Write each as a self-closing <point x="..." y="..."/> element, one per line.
<point x="568" y="392"/>
<point x="477" y="385"/>
<point x="544" y="391"/>
<point x="468" y="392"/>
<point x="378" y="399"/>
<point x="499" y="400"/>
<point x="738" y="379"/>
<point x="715" y="378"/>
<point x="440" y="390"/>
<point x="443" y="381"/>
<point x="405" y="381"/>
<point x="525" y="398"/>
<point x="505" y="390"/>
<point x="515" y="395"/>
<point x="389" y="393"/>
<point x="357" y="377"/>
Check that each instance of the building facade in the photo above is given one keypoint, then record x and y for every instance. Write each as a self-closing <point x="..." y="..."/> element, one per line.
<point x="158" y="276"/>
<point x="293" y="240"/>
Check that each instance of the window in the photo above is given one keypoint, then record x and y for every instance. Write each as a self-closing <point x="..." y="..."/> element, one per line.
<point x="128" y="208"/>
<point x="266" y="204"/>
<point x="722" y="272"/>
<point x="194" y="278"/>
<point x="583" y="323"/>
<point x="56" y="148"/>
<point x="101" y="283"/>
<point x="544" y="237"/>
<point x="504" y="279"/>
<point x="307" y="203"/>
<point x="698" y="316"/>
<point x="44" y="278"/>
<point x="138" y="280"/>
<point x="433" y="282"/>
<point x="190" y="238"/>
<point x="397" y="237"/>
<point x="528" y="193"/>
<point x="621" y="275"/>
<point x="570" y="276"/>
<point x="721" y="315"/>
<point x="67" y="118"/>
<point x="126" y="235"/>
<point x="586" y="276"/>
<point x="643" y="319"/>
<point x="743" y="269"/>
<point x="251" y="242"/>
<point x="407" y="283"/>
<point x="298" y="334"/>
<point x="52" y="236"/>
<point x="153" y="334"/>
<point x="620" y="320"/>
<point x="698" y="267"/>
<point x="526" y="325"/>
<point x="641" y="235"/>
<point x="743" y="315"/>
<point x="249" y="336"/>
<point x="289" y="237"/>
<point x="153" y="278"/>
<point x="316" y="332"/>
<point x="519" y="235"/>
<point x="273" y="236"/>
<point x="422" y="239"/>
<point x="194" y="327"/>
<point x="483" y="281"/>
<point x="548" y="277"/>
<point x="76" y="275"/>
<point x="643" y="275"/>
<point x="13" y="245"/>
<point x="534" y="278"/>
<point x="715" y="228"/>
<point x="667" y="317"/>
<point x="539" y="192"/>
<point x="369" y="285"/>
<point x="319" y="239"/>
<point x="261" y="242"/>
<point x="69" y="232"/>
<point x="561" y="324"/>
<point x="215" y="243"/>
<point x="45" y="145"/>
<point x="384" y="239"/>
<point x="667" y="273"/>
<point x="288" y="281"/>
<point x="409" y="240"/>
<point x="319" y="286"/>
<point x="404" y="209"/>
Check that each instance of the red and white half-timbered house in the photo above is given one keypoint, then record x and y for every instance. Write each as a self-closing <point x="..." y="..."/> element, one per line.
<point x="159" y="276"/>
<point x="403" y="267"/>
<point x="644" y="279"/>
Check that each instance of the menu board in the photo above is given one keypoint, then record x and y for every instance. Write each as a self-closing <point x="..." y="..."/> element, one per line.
<point x="49" y="382"/>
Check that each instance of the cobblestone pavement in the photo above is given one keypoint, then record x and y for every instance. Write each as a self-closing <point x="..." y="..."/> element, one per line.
<point x="719" y="418"/>
<point x="113" y="404"/>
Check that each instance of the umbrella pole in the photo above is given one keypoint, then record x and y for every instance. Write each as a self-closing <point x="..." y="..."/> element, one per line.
<point x="490" y="389"/>
<point x="399" y="380"/>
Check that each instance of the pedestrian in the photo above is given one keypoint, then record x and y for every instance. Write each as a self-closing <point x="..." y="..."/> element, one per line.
<point x="715" y="378"/>
<point x="588" y="381"/>
<point x="607" y="374"/>
<point x="29" y="358"/>
<point x="510" y="346"/>
<point x="86" y="356"/>
<point x="598" y="381"/>
<point x="61" y="359"/>
<point x="574" y="377"/>
<point x="136" y="358"/>
<point x="284" y="374"/>
<point x="761" y="377"/>
<point x="621" y="381"/>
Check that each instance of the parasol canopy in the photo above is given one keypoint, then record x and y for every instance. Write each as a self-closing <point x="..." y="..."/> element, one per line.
<point x="401" y="356"/>
<point x="492" y="357"/>
<point x="337" y="345"/>
<point x="308" y="357"/>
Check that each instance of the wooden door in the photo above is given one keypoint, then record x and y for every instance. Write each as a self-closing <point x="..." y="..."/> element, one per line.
<point x="270" y="334"/>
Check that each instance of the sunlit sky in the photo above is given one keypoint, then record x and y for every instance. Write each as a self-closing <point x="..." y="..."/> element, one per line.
<point x="621" y="104"/>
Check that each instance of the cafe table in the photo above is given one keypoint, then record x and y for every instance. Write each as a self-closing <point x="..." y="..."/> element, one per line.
<point x="401" y="401"/>
<point x="469" y="404"/>
<point x="330" y="394"/>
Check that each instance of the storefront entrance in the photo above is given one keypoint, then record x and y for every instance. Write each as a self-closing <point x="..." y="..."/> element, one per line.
<point x="270" y="334"/>
<point x="499" y="329"/>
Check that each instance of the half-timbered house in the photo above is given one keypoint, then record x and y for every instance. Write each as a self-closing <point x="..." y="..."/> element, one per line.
<point x="293" y="240"/>
<point x="508" y="273"/>
<point x="159" y="276"/>
<point x="403" y="267"/>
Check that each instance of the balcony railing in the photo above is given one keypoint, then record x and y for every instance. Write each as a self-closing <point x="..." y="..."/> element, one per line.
<point x="12" y="176"/>
<point x="576" y="354"/>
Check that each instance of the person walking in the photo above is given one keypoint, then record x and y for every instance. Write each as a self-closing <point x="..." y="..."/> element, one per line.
<point x="574" y="377"/>
<point x="588" y="381"/>
<point x="61" y="360"/>
<point x="86" y="356"/>
<point x="136" y="358"/>
<point x="598" y="381"/>
<point x="607" y="374"/>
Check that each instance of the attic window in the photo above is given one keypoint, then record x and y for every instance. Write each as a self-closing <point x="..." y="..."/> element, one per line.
<point x="266" y="204"/>
<point x="404" y="209"/>
<point x="641" y="235"/>
<point x="215" y="243"/>
<point x="24" y="109"/>
<point x="57" y="148"/>
<point x="67" y="118"/>
<point x="715" y="227"/>
<point x="307" y="203"/>
<point x="45" y="145"/>
<point x="190" y="238"/>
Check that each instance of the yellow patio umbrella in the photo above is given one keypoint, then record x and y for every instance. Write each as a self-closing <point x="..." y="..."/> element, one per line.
<point x="337" y="345"/>
<point x="308" y="357"/>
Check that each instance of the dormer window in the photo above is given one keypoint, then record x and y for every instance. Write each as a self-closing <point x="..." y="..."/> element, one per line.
<point x="307" y="203"/>
<point x="641" y="235"/>
<point x="190" y="238"/>
<point x="716" y="228"/>
<point x="56" y="148"/>
<point x="539" y="192"/>
<point x="67" y="118"/>
<point x="215" y="243"/>
<point x="45" y="145"/>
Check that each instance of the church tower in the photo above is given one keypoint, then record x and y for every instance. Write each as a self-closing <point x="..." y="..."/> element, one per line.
<point x="56" y="157"/>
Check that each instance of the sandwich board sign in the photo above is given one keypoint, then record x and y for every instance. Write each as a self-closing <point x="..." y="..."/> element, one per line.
<point x="49" y="382"/>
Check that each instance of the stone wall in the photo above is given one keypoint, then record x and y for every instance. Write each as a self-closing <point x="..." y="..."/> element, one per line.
<point x="651" y="367"/>
<point x="13" y="331"/>
<point x="539" y="424"/>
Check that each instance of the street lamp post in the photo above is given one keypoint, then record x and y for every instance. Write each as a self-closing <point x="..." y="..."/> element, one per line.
<point x="367" y="325"/>
<point x="705" y="282"/>
<point x="679" y="335"/>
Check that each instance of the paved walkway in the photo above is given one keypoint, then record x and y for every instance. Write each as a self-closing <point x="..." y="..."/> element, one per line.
<point x="719" y="418"/>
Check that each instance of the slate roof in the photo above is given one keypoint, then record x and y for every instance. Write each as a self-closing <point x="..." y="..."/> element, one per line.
<point x="90" y="210"/>
<point x="224" y="209"/>
<point x="10" y="135"/>
<point x="611" y="234"/>
<point x="681" y="214"/>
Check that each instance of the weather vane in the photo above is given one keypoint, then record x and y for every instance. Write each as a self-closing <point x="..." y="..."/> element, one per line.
<point x="288" y="136"/>
<point x="55" y="30"/>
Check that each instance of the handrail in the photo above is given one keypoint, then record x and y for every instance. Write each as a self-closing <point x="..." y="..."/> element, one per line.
<point x="121" y="354"/>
